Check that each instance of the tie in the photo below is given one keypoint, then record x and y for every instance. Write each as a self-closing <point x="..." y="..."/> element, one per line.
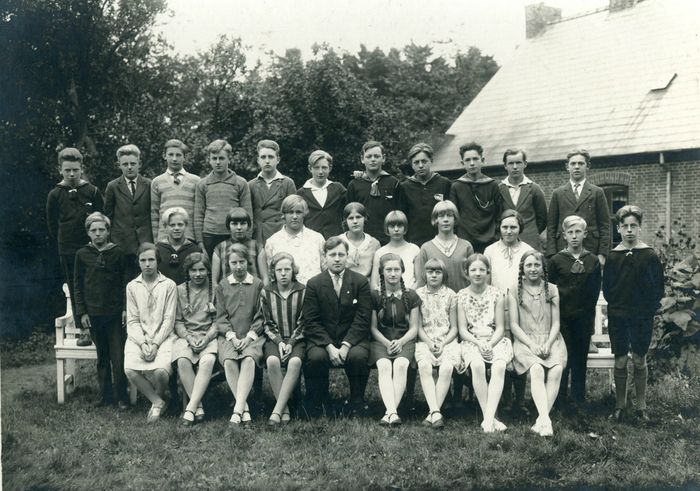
<point x="132" y="186"/>
<point x="336" y="284"/>
<point x="577" y="190"/>
<point x="176" y="179"/>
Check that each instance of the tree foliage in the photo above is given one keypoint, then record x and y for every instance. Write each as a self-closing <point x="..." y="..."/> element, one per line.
<point x="92" y="74"/>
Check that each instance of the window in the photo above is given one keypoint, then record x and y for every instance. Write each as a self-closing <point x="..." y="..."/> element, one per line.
<point x="617" y="196"/>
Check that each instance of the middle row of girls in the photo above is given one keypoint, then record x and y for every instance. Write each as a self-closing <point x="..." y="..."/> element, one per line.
<point x="458" y="296"/>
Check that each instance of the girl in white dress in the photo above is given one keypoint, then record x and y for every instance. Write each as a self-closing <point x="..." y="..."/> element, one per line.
<point x="437" y="334"/>
<point x="361" y="245"/>
<point x="395" y="227"/>
<point x="480" y="315"/>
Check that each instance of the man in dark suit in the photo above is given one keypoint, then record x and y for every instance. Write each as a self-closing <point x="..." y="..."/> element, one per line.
<point x="337" y="312"/>
<point x="579" y="197"/>
<point x="521" y="194"/>
<point x="128" y="206"/>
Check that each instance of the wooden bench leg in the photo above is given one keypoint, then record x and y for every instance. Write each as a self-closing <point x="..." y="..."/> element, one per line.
<point x="71" y="374"/>
<point x="60" y="382"/>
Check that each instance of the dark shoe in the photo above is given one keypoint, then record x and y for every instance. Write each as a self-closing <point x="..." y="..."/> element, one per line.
<point x="123" y="405"/>
<point x="83" y="340"/>
<point x="643" y="414"/>
<point x="102" y="403"/>
<point x="617" y="415"/>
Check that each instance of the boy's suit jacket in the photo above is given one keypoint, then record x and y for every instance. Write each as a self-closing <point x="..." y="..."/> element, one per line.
<point x="327" y="219"/>
<point x="591" y="206"/>
<point x="532" y="206"/>
<point x="332" y="320"/>
<point x="130" y="215"/>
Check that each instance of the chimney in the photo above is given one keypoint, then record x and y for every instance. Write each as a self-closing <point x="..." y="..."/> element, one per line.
<point x="617" y="5"/>
<point x="538" y="15"/>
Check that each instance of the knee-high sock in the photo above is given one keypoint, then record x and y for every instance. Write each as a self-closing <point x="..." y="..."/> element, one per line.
<point x="620" y="388"/>
<point x="640" y="386"/>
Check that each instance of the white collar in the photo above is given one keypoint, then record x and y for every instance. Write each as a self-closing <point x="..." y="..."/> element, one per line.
<point x="248" y="280"/>
<point x="340" y="275"/>
<point x="181" y="172"/>
<point x="309" y="184"/>
<point x="278" y="175"/>
<point x="572" y="183"/>
<point x="526" y="180"/>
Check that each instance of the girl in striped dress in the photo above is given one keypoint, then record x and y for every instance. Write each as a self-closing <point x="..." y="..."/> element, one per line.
<point x="281" y="303"/>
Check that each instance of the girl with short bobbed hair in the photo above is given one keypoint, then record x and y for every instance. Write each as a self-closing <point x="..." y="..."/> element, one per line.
<point x="238" y="222"/>
<point x="396" y="227"/>
<point x="361" y="245"/>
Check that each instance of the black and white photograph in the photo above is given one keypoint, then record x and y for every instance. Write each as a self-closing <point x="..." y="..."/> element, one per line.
<point x="389" y="244"/>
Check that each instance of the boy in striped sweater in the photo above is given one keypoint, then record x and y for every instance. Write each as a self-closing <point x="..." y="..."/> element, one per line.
<point x="174" y="187"/>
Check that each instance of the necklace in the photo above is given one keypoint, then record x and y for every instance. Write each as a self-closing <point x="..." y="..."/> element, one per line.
<point x="446" y="247"/>
<point x="533" y="295"/>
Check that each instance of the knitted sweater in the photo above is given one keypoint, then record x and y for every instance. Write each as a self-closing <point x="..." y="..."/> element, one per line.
<point x="633" y="281"/>
<point x="66" y="211"/>
<point x="214" y="197"/>
<point x="166" y="194"/>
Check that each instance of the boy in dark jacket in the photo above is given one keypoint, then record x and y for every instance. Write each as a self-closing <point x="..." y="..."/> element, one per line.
<point x="100" y="281"/>
<point x="633" y="285"/>
<point x="576" y="272"/>
<point x="67" y="206"/>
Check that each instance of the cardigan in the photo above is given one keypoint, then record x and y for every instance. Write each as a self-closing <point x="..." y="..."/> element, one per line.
<point x="327" y="219"/>
<point x="213" y="199"/>
<point x="267" y="202"/>
<point x="66" y="211"/>
<point x="166" y="194"/>
<point x="417" y="200"/>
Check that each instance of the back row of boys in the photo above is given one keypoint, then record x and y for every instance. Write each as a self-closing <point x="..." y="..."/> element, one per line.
<point x="135" y="204"/>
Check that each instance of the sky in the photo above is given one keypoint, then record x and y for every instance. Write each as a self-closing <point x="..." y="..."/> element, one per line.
<point x="496" y="27"/>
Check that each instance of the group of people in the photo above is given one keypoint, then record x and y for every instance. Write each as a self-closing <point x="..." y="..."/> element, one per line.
<point x="423" y="275"/>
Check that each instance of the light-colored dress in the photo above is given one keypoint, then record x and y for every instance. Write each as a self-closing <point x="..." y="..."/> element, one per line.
<point x="360" y="257"/>
<point x="150" y="314"/>
<point x="306" y="247"/>
<point x="408" y="253"/>
<point x="505" y="262"/>
<point x="480" y="310"/>
<point x="195" y="317"/>
<point x="535" y="318"/>
<point x="435" y="313"/>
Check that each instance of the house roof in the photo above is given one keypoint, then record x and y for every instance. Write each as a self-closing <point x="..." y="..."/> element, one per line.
<point x="615" y="83"/>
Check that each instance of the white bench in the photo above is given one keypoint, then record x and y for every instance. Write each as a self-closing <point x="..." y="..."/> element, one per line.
<point x="604" y="359"/>
<point x="67" y="351"/>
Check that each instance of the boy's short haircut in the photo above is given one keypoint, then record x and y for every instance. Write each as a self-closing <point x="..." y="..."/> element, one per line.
<point x="418" y="148"/>
<point x="129" y="149"/>
<point x="194" y="258"/>
<point x="334" y="242"/>
<point x="581" y="152"/>
<point x="173" y="143"/>
<point x="217" y="146"/>
<point x="434" y="263"/>
<point x="477" y="257"/>
<point x="148" y="246"/>
<point x="175" y="210"/>
<point x="293" y="202"/>
<point x="442" y="207"/>
<point x="70" y="154"/>
<point x="372" y="144"/>
<point x="627" y="211"/>
<point x="279" y="257"/>
<point x="514" y="214"/>
<point x="471" y="146"/>
<point x="271" y="144"/>
<point x="241" y="250"/>
<point x="236" y="215"/>
<point x="317" y="155"/>
<point x="514" y="151"/>
<point x="395" y="217"/>
<point x="572" y="220"/>
<point x="96" y="216"/>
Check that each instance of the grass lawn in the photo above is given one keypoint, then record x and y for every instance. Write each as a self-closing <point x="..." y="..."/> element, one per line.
<point x="77" y="446"/>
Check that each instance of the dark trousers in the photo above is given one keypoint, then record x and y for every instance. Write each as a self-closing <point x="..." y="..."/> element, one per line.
<point x="318" y="365"/>
<point x="109" y="337"/>
<point x="132" y="266"/>
<point x="577" y="332"/>
<point x="211" y="241"/>
<point x="67" y="262"/>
